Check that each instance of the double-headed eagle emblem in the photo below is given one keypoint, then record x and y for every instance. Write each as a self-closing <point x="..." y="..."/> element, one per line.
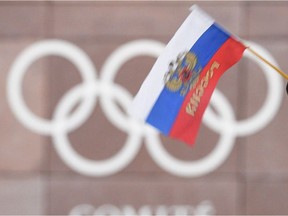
<point x="183" y="73"/>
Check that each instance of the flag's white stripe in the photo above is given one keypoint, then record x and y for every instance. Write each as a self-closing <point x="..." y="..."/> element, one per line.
<point x="185" y="37"/>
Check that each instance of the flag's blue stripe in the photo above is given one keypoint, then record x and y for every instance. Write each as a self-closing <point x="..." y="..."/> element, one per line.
<point x="168" y="104"/>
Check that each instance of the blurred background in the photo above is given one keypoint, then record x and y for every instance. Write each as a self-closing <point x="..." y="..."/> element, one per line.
<point x="68" y="150"/>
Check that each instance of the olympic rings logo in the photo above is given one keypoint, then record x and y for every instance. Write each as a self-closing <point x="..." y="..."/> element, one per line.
<point x="105" y="91"/>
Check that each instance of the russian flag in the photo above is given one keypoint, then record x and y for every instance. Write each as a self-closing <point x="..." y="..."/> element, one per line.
<point x="176" y="92"/>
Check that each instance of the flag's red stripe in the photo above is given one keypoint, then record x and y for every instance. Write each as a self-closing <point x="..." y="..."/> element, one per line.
<point x="186" y="126"/>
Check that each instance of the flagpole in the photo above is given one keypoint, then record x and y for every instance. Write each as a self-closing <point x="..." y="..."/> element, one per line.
<point x="285" y="76"/>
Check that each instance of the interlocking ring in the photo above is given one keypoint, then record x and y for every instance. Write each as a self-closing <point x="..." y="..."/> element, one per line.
<point x="107" y="91"/>
<point x="19" y="68"/>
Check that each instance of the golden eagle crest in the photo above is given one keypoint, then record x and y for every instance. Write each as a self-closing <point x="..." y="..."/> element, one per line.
<point x="183" y="73"/>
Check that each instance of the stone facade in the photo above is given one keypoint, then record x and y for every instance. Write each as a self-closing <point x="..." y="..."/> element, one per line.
<point x="34" y="178"/>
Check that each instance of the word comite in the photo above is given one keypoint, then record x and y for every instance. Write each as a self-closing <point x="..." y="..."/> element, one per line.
<point x="195" y="99"/>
